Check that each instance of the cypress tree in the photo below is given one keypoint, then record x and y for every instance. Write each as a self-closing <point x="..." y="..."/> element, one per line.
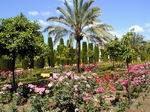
<point x="71" y="53"/>
<point x="84" y="53"/>
<point x="90" y="53"/>
<point x="60" y="52"/>
<point x="96" y="53"/>
<point x="62" y="42"/>
<point x="51" y="55"/>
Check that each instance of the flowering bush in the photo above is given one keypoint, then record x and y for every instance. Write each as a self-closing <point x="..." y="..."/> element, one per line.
<point x="68" y="91"/>
<point x="5" y="93"/>
<point x="88" y="68"/>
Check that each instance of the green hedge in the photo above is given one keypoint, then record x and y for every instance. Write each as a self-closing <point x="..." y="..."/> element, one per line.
<point x="5" y="62"/>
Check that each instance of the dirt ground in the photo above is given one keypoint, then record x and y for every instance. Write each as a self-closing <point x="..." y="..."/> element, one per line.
<point x="142" y="104"/>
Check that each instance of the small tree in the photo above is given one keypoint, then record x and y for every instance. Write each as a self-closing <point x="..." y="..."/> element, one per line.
<point x="114" y="50"/>
<point x="84" y="53"/>
<point x="51" y="53"/>
<point x="19" y="36"/>
<point x="128" y="56"/>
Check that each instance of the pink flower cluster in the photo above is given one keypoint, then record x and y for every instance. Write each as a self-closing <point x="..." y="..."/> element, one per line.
<point x="138" y="80"/>
<point x="124" y="82"/>
<point x="137" y="69"/>
<point x="100" y="90"/>
<point x="88" y="68"/>
<point x="39" y="90"/>
<point x="56" y="77"/>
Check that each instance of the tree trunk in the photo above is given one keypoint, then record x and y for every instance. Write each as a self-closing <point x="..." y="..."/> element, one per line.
<point x="127" y="64"/>
<point x="13" y="72"/>
<point x="31" y="62"/>
<point x="78" y="55"/>
<point x="113" y="60"/>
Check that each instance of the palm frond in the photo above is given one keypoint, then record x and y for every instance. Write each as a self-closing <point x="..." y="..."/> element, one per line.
<point x="86" y="6"/>
<point x="67" y="16"/>
<point x="90" y="16"/>
<point x="60" y="20"/>
<point x="69" y="9"/>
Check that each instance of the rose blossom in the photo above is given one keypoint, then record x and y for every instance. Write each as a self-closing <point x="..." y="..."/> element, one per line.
<point x="100" y="90"/>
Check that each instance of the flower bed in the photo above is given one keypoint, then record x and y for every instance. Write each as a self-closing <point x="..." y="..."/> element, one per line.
<point x="86" y="92"/>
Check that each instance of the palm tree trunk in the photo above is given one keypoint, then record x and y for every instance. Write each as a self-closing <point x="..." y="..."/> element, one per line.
<point x="78" y="56"/>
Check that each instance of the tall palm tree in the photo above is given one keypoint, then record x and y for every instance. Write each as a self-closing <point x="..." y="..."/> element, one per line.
<point x="78" y="21"/>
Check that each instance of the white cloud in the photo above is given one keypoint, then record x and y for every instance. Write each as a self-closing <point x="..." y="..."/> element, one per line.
<point x="33" y="13"/>
<point x="136" y="28"/>
<point x="43" y="23"/>
<point x="45" y="13"/>
<point x="36" y="13"/>
<point x="114" y="33"/>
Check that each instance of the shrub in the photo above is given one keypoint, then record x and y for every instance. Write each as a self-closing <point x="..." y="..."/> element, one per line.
<point x="40" y="62"/>
<point x="25" y="63"/>
<point x="5" y="62"/>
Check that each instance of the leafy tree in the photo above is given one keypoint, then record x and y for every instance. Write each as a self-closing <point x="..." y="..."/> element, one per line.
<point x="134" y="41"/>
<point x="128" y="56"/>
<point x="114" y="50"/>
<point x="78" y="21"/>
<point x="19" y="36"/>
<point x="96" y="53"/>
<point x="84" y="53"/>
<point x="51" y="53"/>
<point x="90" y="53"/>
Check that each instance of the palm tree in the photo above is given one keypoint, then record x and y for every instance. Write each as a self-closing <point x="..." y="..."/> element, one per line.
<point x="78" y="21"/>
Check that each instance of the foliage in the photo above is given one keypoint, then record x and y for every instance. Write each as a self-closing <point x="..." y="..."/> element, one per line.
<point x="96" y="53"/>
<point x="60" y="54"/>
<point x="114" y="49"/>
<point x="25" y="63"/>
<point x="84" y="53"/>
<point x="40" y="62"/>
<point x="90" y="53"/>
<point x="39" y="104"/>
<point x="51" y="53"/>
<point x="128" y="55"/>
<point x="5" y="62"/>
<point x="19" y="36"/>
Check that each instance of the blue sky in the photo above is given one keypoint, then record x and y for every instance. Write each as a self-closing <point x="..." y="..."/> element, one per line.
<point x="121" y="14"/>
